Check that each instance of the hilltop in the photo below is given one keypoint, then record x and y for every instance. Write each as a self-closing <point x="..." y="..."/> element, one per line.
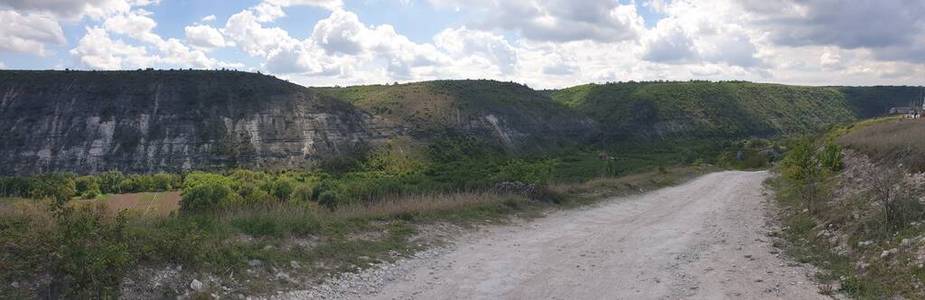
<point x="145" y="121"/>
<point x="701" y="109"/>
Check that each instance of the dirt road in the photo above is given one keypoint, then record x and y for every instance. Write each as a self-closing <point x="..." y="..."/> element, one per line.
<point x="706" y="239"/>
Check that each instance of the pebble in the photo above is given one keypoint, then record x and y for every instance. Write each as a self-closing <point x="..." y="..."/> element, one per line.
<point x="196" y="285"/>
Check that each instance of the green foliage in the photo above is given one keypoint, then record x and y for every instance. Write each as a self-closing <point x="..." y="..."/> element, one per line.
<point x="831" y="158"/>
<point x="538" y="172"/>
<point x="304" y="192"/>
<point x="110" y="181"/>
<point x="91" y="252"/>
<point x="88" y="187"/>
<point x="252" y="195"/>
<point x="207" y="196"/>
<point x="702" y="109"/>
<point x="283" y="187"/>
<point x="57" y="186"/>
<point x="328" y="199"/>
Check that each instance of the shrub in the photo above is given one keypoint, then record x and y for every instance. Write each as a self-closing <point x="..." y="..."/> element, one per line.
<point x="328" y="199"/>
<point x="128" y="184"/>
<point x="58" y="186"/>
<point x="109" y="182"/>
<point x="163" y="182"/>
<point x="15" y="186"/>
<point x="91" y="252"/>
<point x="283" y="188"/>
<point x="200" y="178"/>
<point x="530" y="172"/>
<point x="252" y="195"/>
<point x="88" y="187"/>
<point x="303" y="192"/>
<point x="831" y="158"/>
<point x="207" y="196"/>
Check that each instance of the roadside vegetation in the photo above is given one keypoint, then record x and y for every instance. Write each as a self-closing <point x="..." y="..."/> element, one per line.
<point x="852" y="204"/>
<point x="62" y="237"/>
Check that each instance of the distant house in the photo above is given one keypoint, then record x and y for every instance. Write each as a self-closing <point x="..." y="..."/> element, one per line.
<point x="913" y="111"/>
<point x="904" y="110"/>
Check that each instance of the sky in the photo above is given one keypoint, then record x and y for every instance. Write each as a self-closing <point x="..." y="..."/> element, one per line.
<point x="542" y="43"/>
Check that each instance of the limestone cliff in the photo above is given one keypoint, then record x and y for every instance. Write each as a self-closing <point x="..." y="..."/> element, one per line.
<point x="167" y="120"/>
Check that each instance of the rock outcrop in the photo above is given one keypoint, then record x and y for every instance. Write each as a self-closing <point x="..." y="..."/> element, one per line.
<point x="167" y="120"/>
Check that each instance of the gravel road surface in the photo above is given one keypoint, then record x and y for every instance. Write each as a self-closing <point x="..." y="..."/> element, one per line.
<point x="705" y="239"/>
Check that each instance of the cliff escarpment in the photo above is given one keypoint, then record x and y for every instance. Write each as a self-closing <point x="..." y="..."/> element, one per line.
<point x="167" y="120"/>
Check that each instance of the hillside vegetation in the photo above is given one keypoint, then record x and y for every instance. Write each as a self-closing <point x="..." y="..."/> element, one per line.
<point x="515" y="116"/>
<point x="708" y="109"/>
<point x="893" y="141"/>
<point x="853" y="206"/>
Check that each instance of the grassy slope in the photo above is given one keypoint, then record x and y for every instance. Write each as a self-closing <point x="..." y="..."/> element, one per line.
<point x="891" y="142"/>
<point x="708" y="109"/>
<point x="862" y="224"/>
<point x="430" y="110"/>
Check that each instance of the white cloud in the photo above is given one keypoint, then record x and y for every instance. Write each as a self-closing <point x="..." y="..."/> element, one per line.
<point x="557" y="20"/>
<point x="98" y="50"/>
<point x="669" y="43"/>
<point x="480" y="52"/>
<point x="136" y="24"/>
<point x="204" y="36"/>
<point x="340" y="33"/>
<point x="76" y="9"/>
<point x="28" y="33"/>
<point x="208" y="18"/>
<point x="270" y="10"/>
<point x="251" y="36"/>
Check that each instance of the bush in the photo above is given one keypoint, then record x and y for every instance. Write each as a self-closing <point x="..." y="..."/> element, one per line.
<point x="253" y="195"/>
<point x="88" y="187"/>
<point x="831" y="158"/>
<point x="303" y="193"/>
<point x="57" y="186"/>
<point x="530" y="172"/>
<point x="91" y="253"/>
<point x="207" y="196"/>
<point x="283" y="188"/>
<point x="109" y="182"/>
<point x="328" y="199"/>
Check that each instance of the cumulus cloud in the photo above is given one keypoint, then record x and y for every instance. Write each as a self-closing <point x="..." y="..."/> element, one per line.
<point x="484" y="50"/>
<point x="893" y="29"/>
<point x="75" y="9"/>
<point x="558" y="20"/>
<point x="204" y="36"/>
<point x="28" y="33"/>
<point x="670" y="45"/>
<point x="340" y="33"/>
<point x="253" y="37"/>
<point x="98" y="50"/>
<point x="270" y="10"/>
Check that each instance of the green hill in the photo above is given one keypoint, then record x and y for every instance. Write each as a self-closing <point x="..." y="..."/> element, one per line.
<point x="504" y="114"/>
<point x="698" y="109"/>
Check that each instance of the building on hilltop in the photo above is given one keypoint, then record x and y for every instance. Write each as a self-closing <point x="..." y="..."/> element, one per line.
<point x="913" y="111"/>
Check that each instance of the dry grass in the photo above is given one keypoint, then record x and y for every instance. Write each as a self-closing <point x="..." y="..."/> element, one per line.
<point x="892" y="143"/>
<point x="425" y="204"/>
<point x="147" y="204"/>
<point x="631" y="184"/>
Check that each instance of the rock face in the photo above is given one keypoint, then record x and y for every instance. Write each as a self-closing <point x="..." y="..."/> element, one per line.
<point x="149" y="121"/>
<point x="167" y="120"/>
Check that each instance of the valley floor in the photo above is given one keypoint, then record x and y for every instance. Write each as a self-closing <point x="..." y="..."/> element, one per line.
<point x="707" y="239"/>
